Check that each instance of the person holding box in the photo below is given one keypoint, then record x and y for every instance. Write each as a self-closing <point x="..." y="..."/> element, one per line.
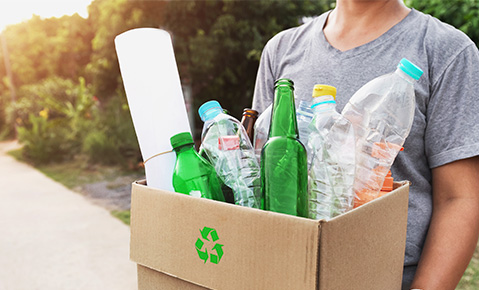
<point x="359" y="40"/>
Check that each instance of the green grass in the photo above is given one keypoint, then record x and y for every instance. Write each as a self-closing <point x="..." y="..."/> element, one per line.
<point x="17" y="154"/>
<point x="123" y="215"/>
<point x="76" y="172"/>
<point x="470" y="279"/>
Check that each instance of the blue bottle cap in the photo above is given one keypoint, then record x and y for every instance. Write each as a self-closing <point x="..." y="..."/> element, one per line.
<point x="410" y="69"/>
<point x="323" y="102"/>
<point x="209" y="110"/>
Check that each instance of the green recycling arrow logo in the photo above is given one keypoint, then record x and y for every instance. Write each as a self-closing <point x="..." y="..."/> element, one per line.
<point x="215" y="253"/>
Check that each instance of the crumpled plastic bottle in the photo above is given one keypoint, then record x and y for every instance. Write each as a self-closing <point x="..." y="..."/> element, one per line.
<point x="331" y="144"/>
<point x="382" y="113"/>
<point x="261" y="131"/>
<point x="304" y="116"/>
<point x="226" y="145"/>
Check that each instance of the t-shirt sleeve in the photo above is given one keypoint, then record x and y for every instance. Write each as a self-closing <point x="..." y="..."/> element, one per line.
<point x="452" y="131"/>
<point x="264" y="91"/>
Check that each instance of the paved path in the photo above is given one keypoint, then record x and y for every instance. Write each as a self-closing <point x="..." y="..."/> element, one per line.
<point x="52" y="238"/>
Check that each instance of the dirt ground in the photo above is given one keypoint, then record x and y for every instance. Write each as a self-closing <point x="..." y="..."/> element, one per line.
<point x="112" y="195"/>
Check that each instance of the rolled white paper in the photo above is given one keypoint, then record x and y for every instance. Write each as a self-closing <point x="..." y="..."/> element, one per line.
<point x="153" y="89"/>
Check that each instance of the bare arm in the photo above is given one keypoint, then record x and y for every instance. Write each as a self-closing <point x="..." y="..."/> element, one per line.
<point x="454" y="228"/>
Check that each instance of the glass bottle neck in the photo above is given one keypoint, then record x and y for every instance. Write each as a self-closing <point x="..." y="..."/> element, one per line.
<point x="283" y="117"/>
<point x="250" y="114"/>
<point x="248" y="119"/>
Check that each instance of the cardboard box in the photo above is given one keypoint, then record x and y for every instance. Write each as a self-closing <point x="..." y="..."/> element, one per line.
<point x="182" y="242"/>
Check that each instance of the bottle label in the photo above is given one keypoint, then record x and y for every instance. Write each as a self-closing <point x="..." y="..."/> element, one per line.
<point x="228" y="142"/>
<point x="195" y="193"/>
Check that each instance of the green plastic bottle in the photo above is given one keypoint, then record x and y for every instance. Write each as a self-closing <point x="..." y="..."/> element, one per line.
<point x="284" y="175"/>
<point x="193" y="175"/>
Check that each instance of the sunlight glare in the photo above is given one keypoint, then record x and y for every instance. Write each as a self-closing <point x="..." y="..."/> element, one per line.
<point x="16" y="11"/>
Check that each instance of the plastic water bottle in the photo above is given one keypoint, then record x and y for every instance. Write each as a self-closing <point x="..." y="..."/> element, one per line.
<point x="331" y="143"/>
<point x="320" y="93"/>
<point x="261" y="131"/>
<point x="304" y="116"/>
<point x="193" y="175"/>
<point x="382" y="113"/>
<point x="284" y="177"/>
<point x="226" y="144"/>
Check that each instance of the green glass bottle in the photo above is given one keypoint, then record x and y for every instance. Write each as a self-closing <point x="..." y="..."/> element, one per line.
<point x="193" y="175"/>
<point x="284" y="175"/>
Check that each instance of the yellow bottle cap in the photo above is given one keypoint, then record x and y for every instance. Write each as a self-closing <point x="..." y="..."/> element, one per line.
<point x="324" y="90"/>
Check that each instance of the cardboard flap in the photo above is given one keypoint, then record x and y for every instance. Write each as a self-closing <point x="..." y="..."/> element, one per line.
<point x="379" y="228"/>
<point x="219" y="245"/>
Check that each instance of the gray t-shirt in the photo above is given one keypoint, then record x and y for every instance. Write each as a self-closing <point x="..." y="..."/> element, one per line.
<point x="446" y="121"/>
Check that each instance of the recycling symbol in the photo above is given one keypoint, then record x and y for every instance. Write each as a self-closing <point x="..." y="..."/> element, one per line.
<point x="215" y="254"/>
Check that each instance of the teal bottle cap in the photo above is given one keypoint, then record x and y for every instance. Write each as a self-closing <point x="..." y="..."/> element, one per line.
<point x="410" y="69"/>
<point x="209" y="110"/>
<point x="181" y="139"/>
<point x="324" y="102"/>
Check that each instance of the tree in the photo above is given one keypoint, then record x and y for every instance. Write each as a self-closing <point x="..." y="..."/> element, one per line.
<point x="462" y="14"/>
<point x="41" y="48"/>
<point x="218" y="44"/>
<point x="111" y="18"/>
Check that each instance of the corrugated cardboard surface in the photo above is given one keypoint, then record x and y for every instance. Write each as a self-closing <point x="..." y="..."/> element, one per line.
<point x="154" y="280"/>
<point x="262" y="250"/>
<point x="363" y="249"/>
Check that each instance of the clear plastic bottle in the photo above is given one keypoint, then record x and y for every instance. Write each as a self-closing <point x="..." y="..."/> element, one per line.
<point x="226" y="144"/>
<point x="193" y="175"/>
<point x="261" y="131"/>
<point x="382" y="113"/>
<point x="304" y="116"/>
<point x="331" y="143"/>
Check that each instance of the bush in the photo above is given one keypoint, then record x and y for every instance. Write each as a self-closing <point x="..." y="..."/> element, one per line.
<point x="54" y="117"/>
<point x="49" y="94"/>
<point x="101" y="148"/>
<point x="59" y="119"/>
<point x="43" y="142"/>
<point x="114" y="135"/>
<point x="6" y="128"/>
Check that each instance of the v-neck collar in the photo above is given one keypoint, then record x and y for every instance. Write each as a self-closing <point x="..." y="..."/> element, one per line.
<point x="319" y="39"/>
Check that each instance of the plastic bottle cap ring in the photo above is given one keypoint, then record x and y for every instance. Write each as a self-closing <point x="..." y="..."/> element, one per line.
<point x="208" y="108"/>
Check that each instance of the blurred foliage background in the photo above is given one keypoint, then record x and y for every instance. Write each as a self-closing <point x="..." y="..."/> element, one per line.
<point x="70" y="101"/>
